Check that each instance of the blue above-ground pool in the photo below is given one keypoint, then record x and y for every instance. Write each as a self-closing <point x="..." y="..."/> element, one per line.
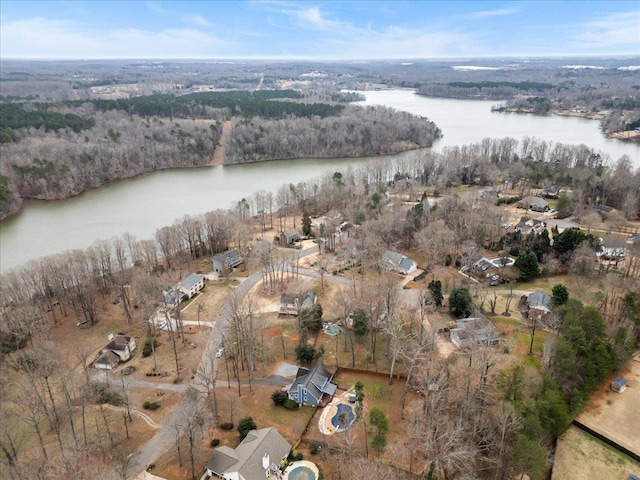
<point x="348" y="410"/>
<point x="333" y="329"/>
<point x="301" y="473"/>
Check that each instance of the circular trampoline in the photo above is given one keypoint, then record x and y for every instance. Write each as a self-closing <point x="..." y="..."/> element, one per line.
<point x="302" y="470"/>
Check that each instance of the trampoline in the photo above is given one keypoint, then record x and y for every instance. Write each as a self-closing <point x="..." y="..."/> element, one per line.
<point x="302" y="473"/>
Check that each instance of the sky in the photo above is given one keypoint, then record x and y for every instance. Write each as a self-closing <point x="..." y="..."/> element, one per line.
<point x="331" y="30"/>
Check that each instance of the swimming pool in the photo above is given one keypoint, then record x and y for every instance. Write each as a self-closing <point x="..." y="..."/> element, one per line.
<point x="350" y="417"/>
<point x="333" y="329"/>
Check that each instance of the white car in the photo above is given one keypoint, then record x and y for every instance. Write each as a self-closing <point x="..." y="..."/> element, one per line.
<point x="219" y="352"/>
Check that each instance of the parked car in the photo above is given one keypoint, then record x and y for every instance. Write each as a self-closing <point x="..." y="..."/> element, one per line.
<point x="219" y="352"/>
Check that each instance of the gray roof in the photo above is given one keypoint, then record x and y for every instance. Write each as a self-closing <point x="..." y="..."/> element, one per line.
<point x="539" y="300"/>
<point x="406" y="263"/>
<point x="316" y="381"/>
<point x="305" y="299"/>
<point x="393" y="257"/>
<point x="246" y="459"/>
<point x="189" y="282"/>
<point x="480" y="328"/>
<point x="534" y="201"/>
<point x="119" y="342"/>
<point x="107" y="358"/>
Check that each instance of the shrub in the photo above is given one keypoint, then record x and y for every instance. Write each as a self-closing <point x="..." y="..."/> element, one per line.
<point x="147" y="405"/>
<point x="214" y="442"/>
<point x="149" y="345"/>
<point x="105" y="395"/>
<point x="245" y="425"/>
<point x="279" y="397"/>
<point x="295" y="456"/>
<point x="290" y="404"/>
<point x="314" y="447"/>
<point x="226" y="426"/>
<point x="151" y="466"/>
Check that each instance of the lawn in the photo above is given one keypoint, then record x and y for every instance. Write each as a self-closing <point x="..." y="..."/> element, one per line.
<point x="579" y="455"/>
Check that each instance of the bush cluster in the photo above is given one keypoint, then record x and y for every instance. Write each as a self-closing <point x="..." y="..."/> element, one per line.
<point x="147" y="405"/>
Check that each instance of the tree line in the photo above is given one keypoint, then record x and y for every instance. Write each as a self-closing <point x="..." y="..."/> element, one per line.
<point x="356" y="132"/>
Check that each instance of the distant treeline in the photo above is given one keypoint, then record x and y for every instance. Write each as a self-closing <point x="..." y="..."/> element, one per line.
<point x="490" y="90"/>
<point x="263" y="103"/>
<point x="14" y="116"/>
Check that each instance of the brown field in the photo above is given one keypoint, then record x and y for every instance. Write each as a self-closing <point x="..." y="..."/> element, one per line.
<point x="616" y="415"/>
<point x="579" y="456"/>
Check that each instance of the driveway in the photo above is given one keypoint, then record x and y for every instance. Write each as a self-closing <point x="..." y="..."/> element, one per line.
<point x="191" y="394"/>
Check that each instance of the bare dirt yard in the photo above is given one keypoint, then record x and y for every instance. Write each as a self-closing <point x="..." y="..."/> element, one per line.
<point x="617" y="415"/>
<point x="580" y="456"/>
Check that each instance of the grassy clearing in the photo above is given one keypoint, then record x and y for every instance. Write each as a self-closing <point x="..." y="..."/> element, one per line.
<point x="579" y="455"/>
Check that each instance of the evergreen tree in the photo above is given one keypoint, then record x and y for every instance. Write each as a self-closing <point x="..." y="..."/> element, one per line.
<point x="306" y="224"/>
<point x="435" y="287"/>
<point x="460" y="302"/>
<point x="527" y="265"/>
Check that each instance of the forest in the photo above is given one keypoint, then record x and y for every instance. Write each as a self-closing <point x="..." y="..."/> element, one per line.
<point x="497" y="420"/>
<point x="55" y="151"/>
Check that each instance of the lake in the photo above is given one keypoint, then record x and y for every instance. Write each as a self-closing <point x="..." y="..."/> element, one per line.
<point x="143" y="204"/>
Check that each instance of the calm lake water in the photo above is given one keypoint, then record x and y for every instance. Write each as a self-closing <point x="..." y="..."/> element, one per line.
<point x="141" y="205"/>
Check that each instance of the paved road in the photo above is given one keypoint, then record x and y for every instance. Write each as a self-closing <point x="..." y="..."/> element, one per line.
<point x="193" y="392"/>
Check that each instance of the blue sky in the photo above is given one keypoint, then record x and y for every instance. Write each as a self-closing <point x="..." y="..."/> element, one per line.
<point x="331" y="30"/>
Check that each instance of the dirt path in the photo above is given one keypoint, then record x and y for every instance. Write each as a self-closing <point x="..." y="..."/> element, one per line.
<point x="218" y="154"/>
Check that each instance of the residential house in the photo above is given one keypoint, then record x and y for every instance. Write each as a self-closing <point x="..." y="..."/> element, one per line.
<point x="171" y="297"/>
<point x="289" y="237"/>
<point x="528" y="225"/>
<point x="257" y="457"/>
<point x="106" y="360"/>
<point x="536" y="204"/>
<point x="226" y="261"/>
<point x="603" y="209"/>
<point x="122" y="345"/>
<point x="293" y="303"/>
<point x="539" y="305"/>
<point x="310" y="386"/>
<point x="191" y="285"/>
<point x="474" y="330"/>
<point x="561" y="225"/>
<point x="398" y="262"/>
<point x="619" y="384"/>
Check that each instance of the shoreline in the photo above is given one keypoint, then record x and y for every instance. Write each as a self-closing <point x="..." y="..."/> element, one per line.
<point x="210" y="164"/>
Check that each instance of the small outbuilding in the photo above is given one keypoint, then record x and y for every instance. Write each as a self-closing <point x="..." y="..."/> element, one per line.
<point x="619" y="384"/>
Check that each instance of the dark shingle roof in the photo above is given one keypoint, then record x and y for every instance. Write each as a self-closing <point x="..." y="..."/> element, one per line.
<point x="316" y="381"/>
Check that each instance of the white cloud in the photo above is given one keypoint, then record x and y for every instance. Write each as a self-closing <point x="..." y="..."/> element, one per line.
<point x="499" y="12"/>
<point x="44" y="38"/>
<point x="609" y="33"/>
<point x="198" y="20"/>
<point x="313" y="18"/>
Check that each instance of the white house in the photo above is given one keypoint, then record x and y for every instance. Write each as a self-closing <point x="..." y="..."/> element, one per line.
<point x="122" y="345"/>
<point x="226" y="261"/>
<point x="191" y="285"/>
<point x="257" y="457"/>
<point x="398" y="262"/>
